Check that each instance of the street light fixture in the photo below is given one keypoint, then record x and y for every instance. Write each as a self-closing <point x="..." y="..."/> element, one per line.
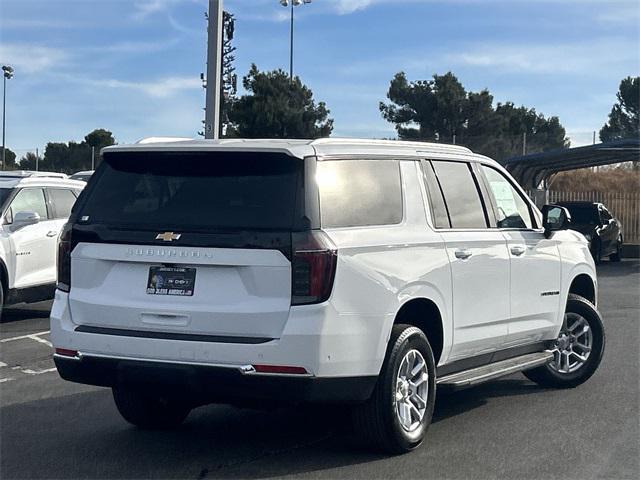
<point x="292" y="3"/>
<point x="7" y="72"/>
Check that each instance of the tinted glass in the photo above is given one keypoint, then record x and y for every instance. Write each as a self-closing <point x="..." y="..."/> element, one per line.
<point x="438" y="208"/>
<point x="606" y="216"/>
<point x="30" y="200"/>
<point x="62" y="200"/>
<point x="461" y="195"/>
<point x="359" y="193"/>
<point x="583" y="215"/>
<point x="4" y="194"/>
<point x="513" y="210"/>
<point x="197" y="191"/>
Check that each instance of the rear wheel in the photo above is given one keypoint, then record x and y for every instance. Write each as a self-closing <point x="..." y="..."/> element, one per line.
<point x="578" y="349"/>
<point x="149" y="410"/>
<point x="617" y="256"/>
<point x="1" y="297"/>
<point x="596" y="252"/>
<point x="396" y="417"/>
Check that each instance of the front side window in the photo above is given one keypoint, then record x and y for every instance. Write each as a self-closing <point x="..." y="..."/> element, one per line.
<point x="461" y="194"/>
<point x="359" y="193"/>
<point x="513" y="210"/>
<point x="28" y="200"/>
<point x="606" y="216"/>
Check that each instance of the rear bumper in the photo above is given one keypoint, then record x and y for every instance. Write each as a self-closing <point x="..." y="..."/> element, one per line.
<point x="206" y="384"/>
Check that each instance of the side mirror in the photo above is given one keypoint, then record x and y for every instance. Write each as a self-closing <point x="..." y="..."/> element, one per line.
<point x="555" y="218"/>
<point x="22" y="219"/>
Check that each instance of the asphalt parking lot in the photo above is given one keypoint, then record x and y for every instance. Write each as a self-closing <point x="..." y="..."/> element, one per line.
<point x="508" y="428"/>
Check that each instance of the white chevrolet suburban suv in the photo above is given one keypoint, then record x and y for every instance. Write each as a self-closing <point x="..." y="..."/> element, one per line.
<point x="33" y="208"/>
<point x="361" y="272"/>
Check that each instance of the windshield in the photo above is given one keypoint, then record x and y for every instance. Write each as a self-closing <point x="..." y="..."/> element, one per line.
<point x="197" y="191"/>
<point x="584" y="215"/>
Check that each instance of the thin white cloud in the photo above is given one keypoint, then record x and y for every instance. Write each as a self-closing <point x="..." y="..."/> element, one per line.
<point x="586" y="57"/>
<point x="162" y="88"/>
<point x="32" y="58"/>
<point x="146" y="8"/>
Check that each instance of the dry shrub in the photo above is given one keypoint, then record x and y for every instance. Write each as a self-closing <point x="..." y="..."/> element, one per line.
<point x="620" y="179"/>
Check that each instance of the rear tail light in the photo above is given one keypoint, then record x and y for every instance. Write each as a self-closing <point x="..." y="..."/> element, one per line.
<point x="65" y="352"/>
<point x="313" y="267"/>
<point x="64" y="258"/>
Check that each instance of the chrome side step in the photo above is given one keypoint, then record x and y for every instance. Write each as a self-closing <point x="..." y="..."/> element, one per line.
<point x="475" y="376"/>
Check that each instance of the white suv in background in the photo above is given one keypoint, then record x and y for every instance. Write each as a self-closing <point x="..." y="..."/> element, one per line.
<point x="359" y="272"/>
<point x="33" y="207"/>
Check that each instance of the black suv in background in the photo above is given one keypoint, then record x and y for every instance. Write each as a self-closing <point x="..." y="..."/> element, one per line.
<point x="603" y="231"/>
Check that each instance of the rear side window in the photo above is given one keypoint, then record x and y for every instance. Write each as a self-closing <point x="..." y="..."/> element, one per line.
<point x="62" y="201"/>
<point x="195" y="191"/>
<point x="359" y="193"/>
<point x="461" y="194"/>
<point x="436" y="200"/>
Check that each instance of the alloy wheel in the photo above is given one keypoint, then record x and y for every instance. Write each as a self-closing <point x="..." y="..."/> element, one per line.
<point x="412" y="390"/>
<point x="573" y="346"/>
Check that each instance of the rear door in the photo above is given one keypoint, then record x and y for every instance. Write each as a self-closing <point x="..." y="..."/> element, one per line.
<point x="188" y="243"/>
<point x="478" y="257"/>
<point x="535" y="263"/>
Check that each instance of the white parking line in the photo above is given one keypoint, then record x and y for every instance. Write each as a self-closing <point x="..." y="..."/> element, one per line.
<point x="2" y="364"/>
<point x="41" y="340"/>
<point x="3" y="380"/>
<point x="28" y="371"/>
<point x="30" y="335"/>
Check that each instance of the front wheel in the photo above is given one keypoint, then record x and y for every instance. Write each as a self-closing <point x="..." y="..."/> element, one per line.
<point x="396" y="417"/>
<point x="578" y="349"/>
<point x="617" y="256"/>
<point x="149" y="410"/>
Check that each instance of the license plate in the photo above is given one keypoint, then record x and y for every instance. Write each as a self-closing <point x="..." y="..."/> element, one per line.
<point x="171" y="281"/>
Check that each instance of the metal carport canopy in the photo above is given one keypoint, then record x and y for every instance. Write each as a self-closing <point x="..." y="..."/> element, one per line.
<point x="532" y="169"/>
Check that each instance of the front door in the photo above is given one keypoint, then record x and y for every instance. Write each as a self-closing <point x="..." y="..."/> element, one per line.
<point x="535" y="264"/>
<point x="34" y="246"/>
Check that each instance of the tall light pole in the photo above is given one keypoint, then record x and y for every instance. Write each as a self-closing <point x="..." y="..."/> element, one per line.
<point x="292" y="3"/>
<point x="7" y="74"/>
<point x="214" y="67"/>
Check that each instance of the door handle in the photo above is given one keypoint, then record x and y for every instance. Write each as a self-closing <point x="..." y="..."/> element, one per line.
<point x="52" y="233"/>
<point x="463" y="253"/>
<point x="518" y="250"/>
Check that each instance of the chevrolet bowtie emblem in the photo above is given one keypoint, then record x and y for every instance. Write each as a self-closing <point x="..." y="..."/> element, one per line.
<point x="168" y="236"/>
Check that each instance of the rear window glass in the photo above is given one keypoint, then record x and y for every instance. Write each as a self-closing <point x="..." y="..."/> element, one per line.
<point x="587" y="215"/>
<point x="197" y="191"/>
<point x="359" y="193"/>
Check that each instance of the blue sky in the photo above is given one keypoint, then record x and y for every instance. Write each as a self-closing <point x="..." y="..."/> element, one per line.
<point x="133" y="66"/>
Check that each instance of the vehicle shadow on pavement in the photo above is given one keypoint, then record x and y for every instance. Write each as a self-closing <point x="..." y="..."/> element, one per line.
<point x="24" y="312"/>
<point x="82" y="436"/>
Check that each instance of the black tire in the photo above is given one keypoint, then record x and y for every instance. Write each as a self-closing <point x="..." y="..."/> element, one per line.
<point x="617" y="256"/>
<point x="596" y="252"/>
<point x="546" y="376"/>
<point x="149" y="410"/>
<point x="376" y="421"/>
<point x="1" y="298"/>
